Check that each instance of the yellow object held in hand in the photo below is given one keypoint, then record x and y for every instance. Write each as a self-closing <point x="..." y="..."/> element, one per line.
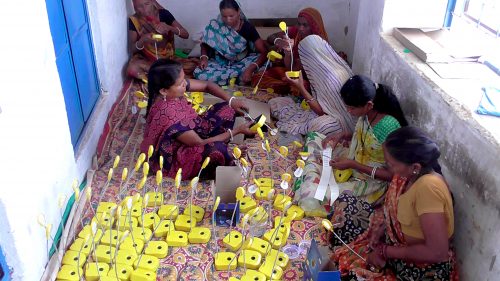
<point x="273" y="56"/>
<point x="342" y="175"/>
<point x="157" y="37"/>
<point x="142" y="104"/>
<point x="305" y="105"/>
<point x="140" y="94"/>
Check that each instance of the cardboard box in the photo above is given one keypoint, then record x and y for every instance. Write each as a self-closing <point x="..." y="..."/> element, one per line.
<point x="315" y="264"/>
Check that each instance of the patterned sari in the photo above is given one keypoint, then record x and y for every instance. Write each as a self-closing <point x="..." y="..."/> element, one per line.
<point x="165" y="48"/>
<point x="168" y="119"/>
<point x="232" y="54"/>
<point x="356" y="220"/>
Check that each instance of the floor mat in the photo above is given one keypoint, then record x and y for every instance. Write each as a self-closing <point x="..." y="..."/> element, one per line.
<point x="122" y="136"/>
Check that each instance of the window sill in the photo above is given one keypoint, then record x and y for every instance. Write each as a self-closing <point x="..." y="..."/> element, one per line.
<point x="463" y="95"/>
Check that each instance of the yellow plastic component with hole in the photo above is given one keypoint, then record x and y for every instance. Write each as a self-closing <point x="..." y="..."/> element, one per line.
<point x="164" y="228"/>
<point x="258" y="245"/>
<point x="283" y="258"/>
<point x="263" y="192"/>
<point x="184" y="223"/>
<point x="267" y="269"/>
<point x="148" y="262"/>
<point x="258" y="124"/>
<point x="105" y="207"/>
<point x="177" y="239"/>
<point x="276" y="238"/>
<point x="198" y="212"/>
<point x="77" y="246"/>
<point x="136" y="210"/>
<point x="199" y="235"/>
<point x="165" y="211"/>
<point x="305" y="105"/>
<point x="247" y="204"/>
<point x="280" y="201"/>
<point x="140" y="234"/>
<point x="124" y="223"/>
<point x="295" y="209"/>
<point x="284" y="224"/>
<point x="87" y="230"/>
<point x="71" y="258"/>
<point x="250" y="259"/>
<point x="197" y="97"/>
<point x="134" y="201"/>
<point x="342" y="175"/>
<point x="151" y="220"/>
<point x="129" y="245"/>
<point x="115" y="236"/>
<point x="268" y="182"/>
<point x="124" y="271"/>
<point x="157" y="249"/>
<point x="253" y="275"/>
<point x="103" y="221"/>
<point x="273" y="55"/>
<point x="224" y="259"/>
<point x="69" y="273"/>
<point x="237" y="94"/>
<point x="91" y="268"/>
<point x="105" y="253"/>
<point x="142" y="275"/>
<point x="258" y="215"/>
<point x="155" y="199"/>
<point x="157" y="37"/>
<point x="235" y="242"/>
<point x="293" y="74"/>
<point x="126" y="257"/>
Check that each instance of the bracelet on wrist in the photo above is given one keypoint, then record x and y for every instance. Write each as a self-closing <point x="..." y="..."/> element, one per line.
<point x="230" y="100"/>
<point x="230" y="134"/>
<point x="137" y="47"/>
<point x="204" y="56"/>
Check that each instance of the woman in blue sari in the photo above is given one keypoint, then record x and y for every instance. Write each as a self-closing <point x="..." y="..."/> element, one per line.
<point x="228" y="47"/>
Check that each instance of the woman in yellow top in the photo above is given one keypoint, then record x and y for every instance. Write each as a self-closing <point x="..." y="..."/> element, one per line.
<point x="409" y="238"/>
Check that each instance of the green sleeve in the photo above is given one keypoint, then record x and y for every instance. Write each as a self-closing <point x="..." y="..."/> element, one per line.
<point x="384" y="127"/>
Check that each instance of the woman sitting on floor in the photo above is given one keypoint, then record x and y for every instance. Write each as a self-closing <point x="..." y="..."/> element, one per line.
<point x="327" y="73"/>
<point x="149" y="19"/>
<point x="309" y="22"/>
<point x="379" y="114"/>
<point x="409" y="238"/>
<point x="228" y="45"/>
<point x="177" y="133"/>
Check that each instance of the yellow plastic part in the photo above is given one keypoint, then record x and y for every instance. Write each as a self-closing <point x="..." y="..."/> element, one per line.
<point x="126" y="257"/>
<point x="177" y="239"/>
<point x="141" y="235"/>
<point x="293" y="74"/>
<point x="184" y="223"/>
<point x="165" y="211"/>
<point x="124" y="271"/>
<point x="280" y="201"/>
<point x="155" y="198"/>
<point x="197" y="97"/>
<point x="223" y="259"/>
<point x="250" y="259"/>
<point x="247" y="204"/>
<point x="265" y="182"/>
<point x="91" y="273"/>
<point x="77" y="246"/>
<point x="136" y="210"/>
<point x="284" y="224"/>
<point x="276" y="238"/>
<point x="129" y="245"/>
<point x="140" y="95"/>
<point x="71" y="258"/>
<point x="253" y="275"/>
<point x="263" y="192"/>
<point x="148" y="262"/>
<point x="258" y="245"/>
<point x="157" y="249"/>
<point x="69" y="273"/>
<point x="87" y="231"/>
<point x="105" y="207"/>
<point x="157" y="37"/>
<point x="164" y="228"/>
<point x="142" y="275"/>
<point x="237" y="94"/>
<point x="199" y="235"/>
<point x="259" y="123"/>
<point x="151" y="220"/>
<point x="236" y="240"/>
<point x="198" y="212"/>
<point x="295" y="209"/>
<point x="135" y="200"/>
<point x="283" y="258"/>
<point x="124" y="223"/>
<point x="305" y="105"/>
<point x="342" y="175"/>
<point x="142" y="104"/>
<point x="115" y="235"/>
<point x="104" y="253"/>
<point x="103" y="221"/>
<point x="267" y="269"/>
<point x="273" y="55"/>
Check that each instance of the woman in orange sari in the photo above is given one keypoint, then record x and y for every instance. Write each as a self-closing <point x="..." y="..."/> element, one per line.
<point x="309" y="22"/>
<point x="410" y="237"/>
<point x="152" y="19"/>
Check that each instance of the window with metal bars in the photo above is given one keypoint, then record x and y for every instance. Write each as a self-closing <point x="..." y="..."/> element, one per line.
<point x="483" y="14"/>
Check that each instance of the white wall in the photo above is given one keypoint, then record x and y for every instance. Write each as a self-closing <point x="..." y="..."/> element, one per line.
<point x="339" y="16"/>
<point x="37" y="160"/>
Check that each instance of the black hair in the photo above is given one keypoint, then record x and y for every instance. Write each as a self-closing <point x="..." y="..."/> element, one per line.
<point x="162" y="75"/>
<point x="359" y="90"/>
<point x="410" y="145"/>
<point x="229" y="4"/>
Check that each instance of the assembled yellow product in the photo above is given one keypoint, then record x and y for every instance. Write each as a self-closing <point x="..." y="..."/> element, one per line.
<point x="69" y="273"/>
<point x="342" y="175"/>
<point x="275" y="237"/>
<point x="78" y="243"/>
<point x="124" y="223"/>
<point x="157" y="249"/>
<point x="165" y="227"/>
<point x="297" y="210"/>
<point x="199" y="235"/>
<point x="235" y="242"/>
<point x="124" y="271"/>
<point x="253" y="275"/>
<point x="223" y="260"/>
<point x="155" y="199"/>
<point x="110" y="237"/>
<point x="87" y="231"/>
<point x="283" y="258"/>
<point x="91" y="269"/>
<point x="141" y="234"/>
<point x="103" y="220"/>
<point x="148" y="263"/>
<point x="184" y="223"/>
<point x="71" y="258"/>
<point x="126" y="256"/>
<point x="129" y="245"/>
<point x="267" y="269"/>
<point x="142" y="275"/>
<point x="198" y="212"/>
<point x="247" y="204"/>
<point x="105" y="207"/>
<point x="177" y="239"/>
<point x="105" y="253"/>
<point x="167" y="211"/>
<point x="249" y="259"/>
<point x="280" y="200"/>
<point x="151" y="220"/>
<point x="257" y="244"/>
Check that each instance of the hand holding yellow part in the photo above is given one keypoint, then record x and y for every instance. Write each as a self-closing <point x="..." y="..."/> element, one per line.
<point x="283" y="26"/>
<point x="142" y="104"/>
<point x="273" y="56"/>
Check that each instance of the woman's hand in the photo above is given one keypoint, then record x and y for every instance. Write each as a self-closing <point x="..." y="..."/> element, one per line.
<point x="342" y="163"/>
<point x="163" y="28"/>
<point x="333" y="140"/>
<point x="376" y="237"/>
<point x="203" y="62"/>
<point x="284" y="44"/>
<point x="147" y="37"/>
<point x="246" y="76"/>
<point x="239" y="105"/>
<point x="299" y="83"/>
<point x="245" y="129"/>
<point x="376" y="259"/>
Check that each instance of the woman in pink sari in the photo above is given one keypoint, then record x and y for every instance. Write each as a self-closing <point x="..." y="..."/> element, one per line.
<point x="177" y="132"/>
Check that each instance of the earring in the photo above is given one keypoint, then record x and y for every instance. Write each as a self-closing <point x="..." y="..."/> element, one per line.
<point x="415" y="172"/>
<point x="164" y="98"/>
